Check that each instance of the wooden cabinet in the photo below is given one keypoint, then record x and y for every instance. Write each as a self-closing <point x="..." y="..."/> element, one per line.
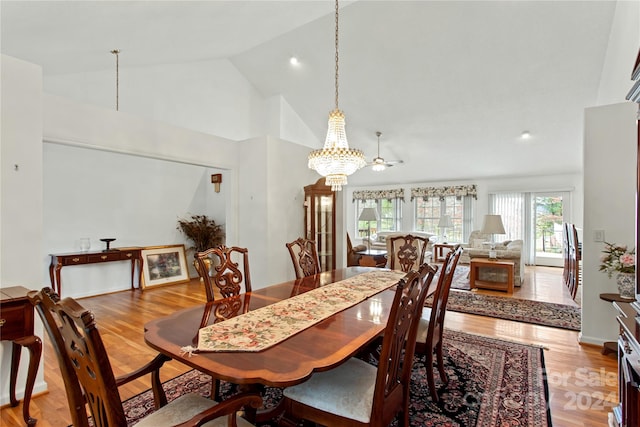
<point x="16" y="325"/>
<point x="627" y="413"/>
<point x="320" y="221"/>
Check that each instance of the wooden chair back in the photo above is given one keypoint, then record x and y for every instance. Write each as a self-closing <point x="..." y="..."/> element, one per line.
<point x="572" y="255"/>
<point x="352" y="257"/>
<point x="304" y="256"/>
<point x="83" y="360"/>
<point x="435" y="328"/>
<point x="220" y="268"/>
<point x="44" y="303"/>
<point x="407" y="252"/>
<point x="391" y="395"/>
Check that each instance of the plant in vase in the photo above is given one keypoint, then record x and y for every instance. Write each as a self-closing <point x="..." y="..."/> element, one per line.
<point x="618" y="259"/>
<point x="203" y="232"/>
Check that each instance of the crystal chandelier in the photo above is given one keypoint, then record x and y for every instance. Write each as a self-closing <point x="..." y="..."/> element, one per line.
<point x="336" y="160"/>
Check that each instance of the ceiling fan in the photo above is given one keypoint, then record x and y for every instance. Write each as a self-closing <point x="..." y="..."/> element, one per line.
<point x="378" y="163"/>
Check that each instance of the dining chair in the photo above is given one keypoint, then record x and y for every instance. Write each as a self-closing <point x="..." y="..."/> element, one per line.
<point x="359" y="393"/>
<point x="89" y="379"/>
<point x="226" y="276"/>
<point x="353" y="257"/>
<point x="431" y="323"/>
<point x="407" y="252"/>
<point x="304" y="255"/>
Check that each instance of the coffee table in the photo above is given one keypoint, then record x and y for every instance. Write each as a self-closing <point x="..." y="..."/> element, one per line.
<point x="480" y="263"/>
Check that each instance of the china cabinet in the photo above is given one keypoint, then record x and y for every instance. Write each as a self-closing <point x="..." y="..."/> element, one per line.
<point x="320" y="221"/>
<point x="627" y="413"/>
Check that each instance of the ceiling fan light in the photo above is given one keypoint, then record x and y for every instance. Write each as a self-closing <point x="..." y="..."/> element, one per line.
<point x="378" y="167"/>
<point x="378" y="164"/>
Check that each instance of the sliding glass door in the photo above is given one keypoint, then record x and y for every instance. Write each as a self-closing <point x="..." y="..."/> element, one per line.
<point x="549" y="214"/>
<point x="537" y="219"/>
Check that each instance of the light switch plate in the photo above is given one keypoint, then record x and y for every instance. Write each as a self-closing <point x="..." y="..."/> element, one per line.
<point x="598" y="235"/>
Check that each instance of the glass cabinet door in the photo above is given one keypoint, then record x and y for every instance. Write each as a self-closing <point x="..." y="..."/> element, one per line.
<point x="320" y="222"/>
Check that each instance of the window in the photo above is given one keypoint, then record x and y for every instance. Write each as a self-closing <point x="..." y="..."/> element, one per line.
<point x="429" y="211"/>
<point x="431" y="203"/>
<point x="389" y="216"/>
<point x="388" y="207"/>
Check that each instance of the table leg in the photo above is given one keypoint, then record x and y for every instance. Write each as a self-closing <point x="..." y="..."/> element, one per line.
<point x="140" y="265"/>
<point x="15" y="364"/>
<point x="34" y="345"/>
<point x="52" y="277"/>
<point x="472" y="277"/>
<point x="133" y="272"/>
<point x="58" y="283"/>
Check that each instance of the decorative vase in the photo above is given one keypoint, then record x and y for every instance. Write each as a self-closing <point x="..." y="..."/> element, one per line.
<point x="626" y="284"/>
<point x="207" y="262"/>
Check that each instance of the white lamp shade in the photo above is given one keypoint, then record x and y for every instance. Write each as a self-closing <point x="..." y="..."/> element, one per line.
<point x="368" y="214"/>
<point x="492" y="224"/>
<point x="445" y="221"/>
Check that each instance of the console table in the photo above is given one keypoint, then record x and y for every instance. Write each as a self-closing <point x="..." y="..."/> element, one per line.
<point x="81" y="258"/>
<point x="16" y="325"/>
<point x="478" y="263"/>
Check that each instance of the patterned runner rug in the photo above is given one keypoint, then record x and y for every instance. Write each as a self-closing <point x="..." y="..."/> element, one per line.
<point x="536" y="312"/>
<point x="491" y="383"/>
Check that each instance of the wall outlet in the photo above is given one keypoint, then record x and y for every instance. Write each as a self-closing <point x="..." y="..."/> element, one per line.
<point x="598" y="235"/>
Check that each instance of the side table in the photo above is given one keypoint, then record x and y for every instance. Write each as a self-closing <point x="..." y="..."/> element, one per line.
<point x="373" y="258"/>
<point x="16" y="325"/>
<point x="440" y="251"/>
<point x="612" y="346"/>
<point x="478" y="263"/>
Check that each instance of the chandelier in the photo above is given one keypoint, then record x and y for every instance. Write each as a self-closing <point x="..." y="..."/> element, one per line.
<point x="336" y="160"/>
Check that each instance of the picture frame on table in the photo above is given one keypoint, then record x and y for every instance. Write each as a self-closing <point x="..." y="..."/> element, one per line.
<point x="164" y="265"/>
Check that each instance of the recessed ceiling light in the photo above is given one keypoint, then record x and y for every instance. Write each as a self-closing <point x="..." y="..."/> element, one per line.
<point x="525" y="134"/>
<point x="294" y="61"/>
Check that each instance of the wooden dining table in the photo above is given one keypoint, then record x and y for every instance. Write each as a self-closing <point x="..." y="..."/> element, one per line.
<point x="292" y="361"/>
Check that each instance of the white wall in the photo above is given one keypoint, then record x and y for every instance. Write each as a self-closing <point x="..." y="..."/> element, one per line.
<point x="20" y="196"/>
<point x="622" y="49"/>
<point x="206" y="96"/>
<point x="137" y="200"/>
<point x="609" y="205"/>
<point x="271" y="205"/>
<point x="609" y="171"/>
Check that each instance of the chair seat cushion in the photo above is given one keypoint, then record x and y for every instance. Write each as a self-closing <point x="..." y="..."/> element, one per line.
<point x="346" y="391"/>
<point x="423" y="325"/>
<point x="183" y="409"/>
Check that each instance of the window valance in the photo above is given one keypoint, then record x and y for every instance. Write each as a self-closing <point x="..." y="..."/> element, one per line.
<point x="442" y="192"/>
<point x="395" y="193"/>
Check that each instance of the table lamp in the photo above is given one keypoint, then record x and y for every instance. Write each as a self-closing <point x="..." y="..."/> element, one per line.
<point x="368" y="214"/>
<point x="443" y="224"/>
<point x="492" y="225"/>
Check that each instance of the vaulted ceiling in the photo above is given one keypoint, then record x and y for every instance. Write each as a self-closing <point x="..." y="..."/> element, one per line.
<point x="450" y="84"/>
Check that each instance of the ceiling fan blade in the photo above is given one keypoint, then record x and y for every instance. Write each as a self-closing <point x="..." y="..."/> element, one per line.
<point x="393" y="162"/>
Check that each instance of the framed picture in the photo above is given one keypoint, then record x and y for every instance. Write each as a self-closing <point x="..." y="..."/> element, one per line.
<point x="164" y="265"/>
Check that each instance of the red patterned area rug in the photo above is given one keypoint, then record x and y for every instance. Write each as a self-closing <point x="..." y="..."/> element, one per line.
<point x="491" y="383"/>
<point x="527" y="311"/>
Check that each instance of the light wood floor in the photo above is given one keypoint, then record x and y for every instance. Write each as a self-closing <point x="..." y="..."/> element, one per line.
<point x="582" y="382"/>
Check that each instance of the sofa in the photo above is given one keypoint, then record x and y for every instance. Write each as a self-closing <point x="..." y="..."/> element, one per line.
<point x="509" y="249"/>
<point x="379" y="240"/>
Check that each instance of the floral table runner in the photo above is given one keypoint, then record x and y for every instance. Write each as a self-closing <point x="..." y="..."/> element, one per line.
<point x="267" y="326"/>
